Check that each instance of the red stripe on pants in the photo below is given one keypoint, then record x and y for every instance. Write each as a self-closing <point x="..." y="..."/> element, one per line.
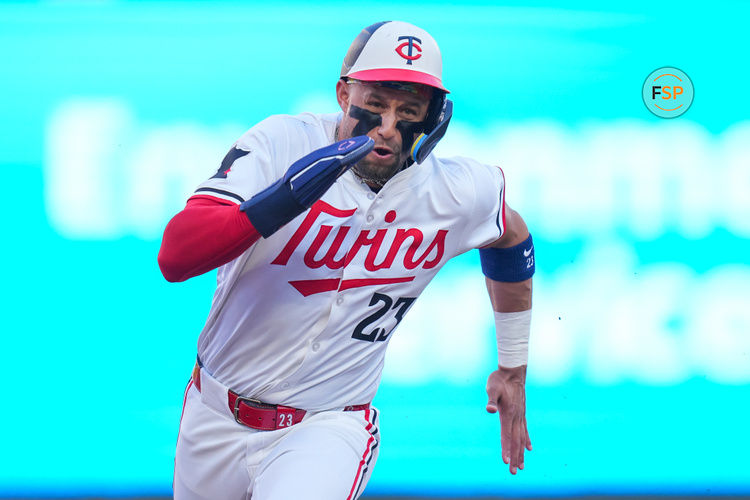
<point x="364" y="455"/>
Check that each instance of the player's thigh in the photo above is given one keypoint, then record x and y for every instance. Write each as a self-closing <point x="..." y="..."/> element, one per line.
<point x="329" y="457"/>
<point x="210" y="461"/>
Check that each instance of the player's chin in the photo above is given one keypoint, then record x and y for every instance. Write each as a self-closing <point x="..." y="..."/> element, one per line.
<point x="381" y="165"/>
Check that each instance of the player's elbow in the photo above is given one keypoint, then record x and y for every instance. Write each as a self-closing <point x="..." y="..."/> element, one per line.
<point x="515" y="227"/>
<point x="172" y="262"/>
<point x="171" y="268"/>
<point x="173" y="255"/>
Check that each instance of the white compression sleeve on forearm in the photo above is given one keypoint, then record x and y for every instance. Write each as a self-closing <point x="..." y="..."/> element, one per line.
<point x="512" y="330"/>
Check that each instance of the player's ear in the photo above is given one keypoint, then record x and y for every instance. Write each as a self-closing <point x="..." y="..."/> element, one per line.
<point x="342" y="94"/>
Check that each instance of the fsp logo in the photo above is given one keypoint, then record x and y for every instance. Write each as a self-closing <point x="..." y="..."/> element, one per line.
<point x="668" y="92"/>
<point x="411" y="44"/>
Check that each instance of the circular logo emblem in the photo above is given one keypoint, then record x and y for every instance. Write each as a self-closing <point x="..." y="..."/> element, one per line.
<point x="668" y="92"/>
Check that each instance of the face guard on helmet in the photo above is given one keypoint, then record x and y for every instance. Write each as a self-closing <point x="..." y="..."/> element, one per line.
<point x="395" y="51"/>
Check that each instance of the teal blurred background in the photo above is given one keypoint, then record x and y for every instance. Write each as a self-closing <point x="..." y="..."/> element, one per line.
<point x="639" y="378"/>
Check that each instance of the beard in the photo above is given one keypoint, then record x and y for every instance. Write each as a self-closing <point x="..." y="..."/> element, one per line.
<point x="378" y="171"/>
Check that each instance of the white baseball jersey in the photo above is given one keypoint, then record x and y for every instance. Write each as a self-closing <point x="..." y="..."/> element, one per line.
<point x="303" y="317"/>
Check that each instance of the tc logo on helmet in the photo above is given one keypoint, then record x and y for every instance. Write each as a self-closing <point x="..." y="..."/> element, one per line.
<point x="411" y="42"/>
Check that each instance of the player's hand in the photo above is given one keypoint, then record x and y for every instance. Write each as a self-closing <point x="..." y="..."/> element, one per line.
<point x="506" y="390"/>
<point x="303" y="184"/>
<point x="310" y="177"/>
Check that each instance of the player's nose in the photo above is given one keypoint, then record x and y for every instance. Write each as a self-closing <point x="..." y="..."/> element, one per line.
<point x="387" y="128"/>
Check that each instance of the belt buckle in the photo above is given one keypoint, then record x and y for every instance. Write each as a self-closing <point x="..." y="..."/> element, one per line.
<point x="237" y="407"/>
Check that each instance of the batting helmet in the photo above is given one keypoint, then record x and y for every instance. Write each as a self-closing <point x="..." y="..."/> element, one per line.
<point x="394" y="51"/>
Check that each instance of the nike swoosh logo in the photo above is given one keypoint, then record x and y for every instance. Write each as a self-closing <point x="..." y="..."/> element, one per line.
<point x="526" y="253"/>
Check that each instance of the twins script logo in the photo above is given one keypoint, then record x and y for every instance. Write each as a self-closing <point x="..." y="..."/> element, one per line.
<point x="316" y="256"/>
<point x="411" y="43"/>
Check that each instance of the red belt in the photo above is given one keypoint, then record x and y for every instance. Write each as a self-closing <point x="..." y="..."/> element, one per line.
<point x="263" y="416"/>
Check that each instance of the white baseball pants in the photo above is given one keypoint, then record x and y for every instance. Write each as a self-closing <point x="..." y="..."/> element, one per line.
<point x="329" y="455"/>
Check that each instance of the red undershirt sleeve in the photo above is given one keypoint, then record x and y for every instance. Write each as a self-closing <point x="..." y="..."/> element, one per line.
<point x="206" y="234"/>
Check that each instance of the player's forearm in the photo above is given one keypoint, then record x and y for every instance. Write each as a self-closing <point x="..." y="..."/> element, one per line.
<point x="512" y="305"/>
<point x="509" y="297"/>
<point x="207" y="234"/>
<point x="508" y="266"/>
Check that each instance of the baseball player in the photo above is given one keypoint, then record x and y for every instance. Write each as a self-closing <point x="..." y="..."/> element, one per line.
<point x="325" y="229"/>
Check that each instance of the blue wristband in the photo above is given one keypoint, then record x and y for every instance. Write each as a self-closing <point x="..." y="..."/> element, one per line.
<point x="509" y="265"/>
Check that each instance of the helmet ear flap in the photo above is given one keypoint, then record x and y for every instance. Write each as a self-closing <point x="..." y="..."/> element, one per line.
<point x="436" y="123"/>
<point x="434" y="110"/>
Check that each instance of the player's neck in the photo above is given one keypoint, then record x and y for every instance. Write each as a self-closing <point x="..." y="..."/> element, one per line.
<point x="375" y="185"/>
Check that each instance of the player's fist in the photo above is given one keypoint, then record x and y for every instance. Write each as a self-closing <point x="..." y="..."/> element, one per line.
<point x="303" y="184"/>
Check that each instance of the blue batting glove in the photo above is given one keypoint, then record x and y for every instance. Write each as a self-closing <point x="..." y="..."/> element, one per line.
<point x="303" y="184"/>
